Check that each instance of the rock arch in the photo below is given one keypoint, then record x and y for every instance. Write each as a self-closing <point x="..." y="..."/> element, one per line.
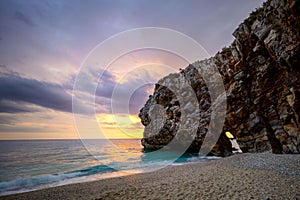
<point x="260" y="71"/>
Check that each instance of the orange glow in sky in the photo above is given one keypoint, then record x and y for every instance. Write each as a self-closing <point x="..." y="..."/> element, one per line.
<point x="120" y="125"/>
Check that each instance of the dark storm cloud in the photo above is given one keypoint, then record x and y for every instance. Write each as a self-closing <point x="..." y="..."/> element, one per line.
<point x="23" y="90"/>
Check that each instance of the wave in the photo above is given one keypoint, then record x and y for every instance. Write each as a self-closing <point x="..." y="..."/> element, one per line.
<point x="26" y="184"/>
<point x="147" y="163"/>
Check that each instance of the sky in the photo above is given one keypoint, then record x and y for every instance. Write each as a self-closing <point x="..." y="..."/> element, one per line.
<point x="44" y="43"/>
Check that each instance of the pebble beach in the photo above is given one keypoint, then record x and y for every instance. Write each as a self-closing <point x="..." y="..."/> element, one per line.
<point x="241" y="176"/>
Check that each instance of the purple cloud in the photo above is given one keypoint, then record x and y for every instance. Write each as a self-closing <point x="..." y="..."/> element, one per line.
<point x="22" y="90"/>
<point x="23" y="18"/>
<point x="106" y="84"/>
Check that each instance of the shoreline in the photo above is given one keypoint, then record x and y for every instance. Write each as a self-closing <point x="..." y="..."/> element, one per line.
<point x="239" y="176"/>
<point x="75" y="179"/>
<point x="101" y="176"/>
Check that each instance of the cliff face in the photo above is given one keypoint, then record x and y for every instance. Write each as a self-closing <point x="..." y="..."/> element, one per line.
<point x="261" y="75"/>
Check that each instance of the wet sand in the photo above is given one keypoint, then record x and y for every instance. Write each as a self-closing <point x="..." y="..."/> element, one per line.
<point x="242" y="176"/>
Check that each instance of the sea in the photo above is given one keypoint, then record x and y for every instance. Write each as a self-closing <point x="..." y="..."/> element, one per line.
<point x="27" y="165"/>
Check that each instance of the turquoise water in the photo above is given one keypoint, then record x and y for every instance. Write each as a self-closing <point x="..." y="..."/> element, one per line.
<point x="27" y="165"/>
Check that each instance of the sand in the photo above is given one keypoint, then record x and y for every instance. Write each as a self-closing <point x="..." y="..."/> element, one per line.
<point x="242" y="176"/>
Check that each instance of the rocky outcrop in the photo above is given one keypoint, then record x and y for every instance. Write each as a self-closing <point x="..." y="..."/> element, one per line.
<point x="261" y="75"/>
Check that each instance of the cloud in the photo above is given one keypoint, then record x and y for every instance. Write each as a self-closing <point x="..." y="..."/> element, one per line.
<point x="16" y="92"/>
<point x="90" y="79"/>
<point x="7" y="119"/>
<point x="21" y="129"/>
<point x="4" y="70"/>
<point x="106" y="85"/>
<point x="134" y="86"/>
<point x="14" y="107"/>
<point x="139" y="98"/>
<point x="23" y="18"/>
<point x="22" y="95"/>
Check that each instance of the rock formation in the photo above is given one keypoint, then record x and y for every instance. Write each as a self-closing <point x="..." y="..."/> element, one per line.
<point x="261" y="75"/>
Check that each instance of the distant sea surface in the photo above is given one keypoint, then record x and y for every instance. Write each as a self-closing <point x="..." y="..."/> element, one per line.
<point x="27" y="165"/>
